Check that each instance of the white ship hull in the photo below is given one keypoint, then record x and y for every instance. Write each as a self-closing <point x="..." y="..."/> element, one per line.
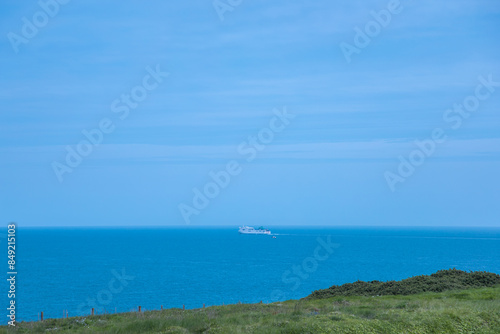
<point x="251" y="230"/>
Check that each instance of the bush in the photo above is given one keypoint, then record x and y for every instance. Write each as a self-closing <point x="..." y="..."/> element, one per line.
<point x="451" y="279"/>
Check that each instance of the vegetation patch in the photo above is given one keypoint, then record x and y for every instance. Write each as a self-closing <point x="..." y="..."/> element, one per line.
<point x="443" y="280"/>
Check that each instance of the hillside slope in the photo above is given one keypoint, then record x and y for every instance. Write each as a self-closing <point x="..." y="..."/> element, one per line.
<point x="470" y="310"/>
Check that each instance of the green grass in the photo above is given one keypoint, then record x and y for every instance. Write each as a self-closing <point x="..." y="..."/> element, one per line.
<point x="465" y="303"/>
<point x="466" y="311"/>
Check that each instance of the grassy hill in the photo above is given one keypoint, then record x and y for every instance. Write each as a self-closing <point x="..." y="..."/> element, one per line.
<point x="468" y="309"/>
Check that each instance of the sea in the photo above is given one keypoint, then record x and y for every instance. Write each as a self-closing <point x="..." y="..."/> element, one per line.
<point x="69" y="271"/>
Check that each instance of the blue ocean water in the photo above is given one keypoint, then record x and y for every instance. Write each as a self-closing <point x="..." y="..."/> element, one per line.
<point x="118" y="269"/>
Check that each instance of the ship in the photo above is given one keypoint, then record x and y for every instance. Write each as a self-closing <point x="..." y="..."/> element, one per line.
<point x="250" y="230"/>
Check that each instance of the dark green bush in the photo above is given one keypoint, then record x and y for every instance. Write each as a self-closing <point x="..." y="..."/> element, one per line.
<point x="451" y="279"/>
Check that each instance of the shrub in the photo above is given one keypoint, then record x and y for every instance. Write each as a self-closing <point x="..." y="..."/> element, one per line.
<point x="451" y="279"/>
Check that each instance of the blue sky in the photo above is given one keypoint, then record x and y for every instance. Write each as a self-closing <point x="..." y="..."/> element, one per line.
<point x="226" y="80"/>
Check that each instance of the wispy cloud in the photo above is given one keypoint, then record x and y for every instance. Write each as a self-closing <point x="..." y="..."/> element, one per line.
<point x="487" y="148"/>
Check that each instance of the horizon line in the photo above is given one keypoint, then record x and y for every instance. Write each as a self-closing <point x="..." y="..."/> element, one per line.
<point x="273" y="226"/>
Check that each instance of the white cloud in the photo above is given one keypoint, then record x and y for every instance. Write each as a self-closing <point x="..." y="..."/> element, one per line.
<point x="380" y="149"/>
